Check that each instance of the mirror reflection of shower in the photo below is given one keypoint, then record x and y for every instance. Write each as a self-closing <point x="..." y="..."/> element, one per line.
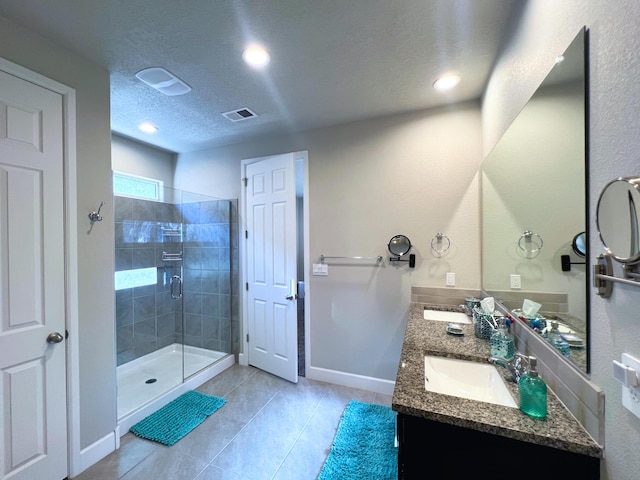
<point x="175" y="265"/>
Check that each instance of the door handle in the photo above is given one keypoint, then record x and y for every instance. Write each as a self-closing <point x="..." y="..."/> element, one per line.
<point x="293" y="294"/>
<point x="176" y="280"/>
<point x="54" y="337"/>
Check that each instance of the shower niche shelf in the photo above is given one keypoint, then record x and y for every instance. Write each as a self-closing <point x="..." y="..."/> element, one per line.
<point x="171" y="231"/>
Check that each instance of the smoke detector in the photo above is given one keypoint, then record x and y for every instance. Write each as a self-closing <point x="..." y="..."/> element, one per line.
<point x="239" y="115"/>
<point x="163" y="80"/>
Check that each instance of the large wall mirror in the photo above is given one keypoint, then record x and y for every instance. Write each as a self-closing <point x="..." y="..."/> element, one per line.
<point x="534" y="204"/>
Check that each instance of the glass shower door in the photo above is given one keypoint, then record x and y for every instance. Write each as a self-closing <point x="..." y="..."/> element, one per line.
<point x="148" y="268"/>
<point x="206" y="323"/>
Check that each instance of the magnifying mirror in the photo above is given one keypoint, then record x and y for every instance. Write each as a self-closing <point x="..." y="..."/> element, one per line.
<point x="579" y="244"/>
<point x="618" y="217"/>
<point x="400" y="245"/>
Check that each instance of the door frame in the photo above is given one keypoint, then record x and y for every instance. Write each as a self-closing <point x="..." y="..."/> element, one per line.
<point x="302" y="157"/>
<point x="71" y="251"/>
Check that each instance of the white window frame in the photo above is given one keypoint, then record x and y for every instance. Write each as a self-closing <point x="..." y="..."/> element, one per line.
<point x="159" y="186"/>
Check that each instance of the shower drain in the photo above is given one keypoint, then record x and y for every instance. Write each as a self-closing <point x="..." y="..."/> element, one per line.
<point x="151" y="380"/>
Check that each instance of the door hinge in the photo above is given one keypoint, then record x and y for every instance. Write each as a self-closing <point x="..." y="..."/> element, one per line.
<point x="246" y="286"/>
<point x="247" y="338"/>
<point x="246" y="181"/>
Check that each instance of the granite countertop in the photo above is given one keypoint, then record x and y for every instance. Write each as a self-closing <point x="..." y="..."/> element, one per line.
<point x="427" y="337"/>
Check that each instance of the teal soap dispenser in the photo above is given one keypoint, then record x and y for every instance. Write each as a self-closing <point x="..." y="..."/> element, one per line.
<point x="501" y="341"/>
<point x="555" y="338"/>
<point x="533" y="392"/>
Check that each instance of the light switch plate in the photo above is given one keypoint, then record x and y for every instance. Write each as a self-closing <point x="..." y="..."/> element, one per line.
<point x="320" y="269"/>
<point x="515" y="281"/>
<point x="450" y="279"/>
<point x="631" y="395"/>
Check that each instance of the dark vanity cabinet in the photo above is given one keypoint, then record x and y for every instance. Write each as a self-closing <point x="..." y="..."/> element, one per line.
<point x="434" y="450"/>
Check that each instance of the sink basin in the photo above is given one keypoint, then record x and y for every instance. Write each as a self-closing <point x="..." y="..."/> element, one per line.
<point x="461" y="378"/>
<point x="455" y="317"/>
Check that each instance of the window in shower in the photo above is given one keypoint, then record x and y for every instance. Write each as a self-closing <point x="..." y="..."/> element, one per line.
<point x="138" y="277"/>
<point x="134" y="186"/>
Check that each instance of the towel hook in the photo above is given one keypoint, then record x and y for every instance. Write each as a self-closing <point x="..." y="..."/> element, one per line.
<point x="95" y="216"/>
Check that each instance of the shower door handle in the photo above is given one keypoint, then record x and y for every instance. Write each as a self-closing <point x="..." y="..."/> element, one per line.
<point x="176" y="280"/>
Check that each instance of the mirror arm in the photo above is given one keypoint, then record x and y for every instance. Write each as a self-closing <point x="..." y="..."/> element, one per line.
<point x="566" y="263"/>
<point x="412" y="260"/>
<point x="604" y="278"/>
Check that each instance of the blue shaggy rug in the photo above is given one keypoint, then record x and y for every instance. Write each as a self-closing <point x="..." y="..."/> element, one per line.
<point x="177" y="418"/>
<point x="363" y="448"/>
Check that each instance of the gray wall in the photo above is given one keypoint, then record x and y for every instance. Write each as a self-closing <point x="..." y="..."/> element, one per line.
<point x="136" y="158"/>
<point x="95" y="251"/>
<point x="545" y="29"/>
<point x="412" y="174"/>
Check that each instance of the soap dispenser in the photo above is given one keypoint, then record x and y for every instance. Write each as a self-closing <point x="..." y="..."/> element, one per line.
<point x="533" y="392"/>
<point x="555" y="338"/>
<point x="502" y="344"/>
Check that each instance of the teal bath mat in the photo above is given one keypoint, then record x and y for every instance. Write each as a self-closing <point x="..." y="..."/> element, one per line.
<point x="363" y="447"/>
<point x="177" y="418"/>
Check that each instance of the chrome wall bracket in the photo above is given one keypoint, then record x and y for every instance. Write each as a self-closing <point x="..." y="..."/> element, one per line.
<point x="604" y="278"/>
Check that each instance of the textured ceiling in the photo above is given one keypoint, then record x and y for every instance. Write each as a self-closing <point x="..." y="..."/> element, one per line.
<point x="332" y="61"/>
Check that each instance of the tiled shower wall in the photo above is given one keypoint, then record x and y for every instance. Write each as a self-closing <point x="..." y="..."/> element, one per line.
<point x="147" y="318"/>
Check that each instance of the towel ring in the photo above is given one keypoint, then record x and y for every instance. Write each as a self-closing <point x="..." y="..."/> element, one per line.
<point x="530" y="243"/>
<point x="440" y="244"/>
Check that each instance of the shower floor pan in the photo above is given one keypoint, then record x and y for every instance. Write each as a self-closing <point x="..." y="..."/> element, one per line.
<point x="149" y="377"/>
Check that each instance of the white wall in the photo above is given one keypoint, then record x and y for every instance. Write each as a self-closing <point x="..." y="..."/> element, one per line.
<point x="95" y="251"/>
<point x="413" y="174"/>
<point x="129" y="156"/>
<point x="546" y="28"/>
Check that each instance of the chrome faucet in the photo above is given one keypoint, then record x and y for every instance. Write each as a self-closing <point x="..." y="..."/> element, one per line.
<point x="517" y="366"/>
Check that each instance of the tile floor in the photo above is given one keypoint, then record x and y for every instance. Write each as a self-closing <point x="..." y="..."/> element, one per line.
<point x="268" y="429"/>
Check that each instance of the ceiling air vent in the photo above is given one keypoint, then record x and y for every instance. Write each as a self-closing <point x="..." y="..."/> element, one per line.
<point x="238" y="115"/>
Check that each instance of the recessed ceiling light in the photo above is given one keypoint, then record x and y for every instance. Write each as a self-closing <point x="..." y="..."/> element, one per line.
<point x="446" y="82"/>
<point x="256" y="56"/>
<point x="148" y="127"/>
<point x="559" y="59"/>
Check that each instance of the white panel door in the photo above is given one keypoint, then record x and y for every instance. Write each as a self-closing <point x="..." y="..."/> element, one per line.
<point x="33" y="420"/>
<point x="271" y="265"/>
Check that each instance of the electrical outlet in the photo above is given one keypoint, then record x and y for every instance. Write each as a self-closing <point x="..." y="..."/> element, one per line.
<point x="631" y="395"/>
<point x="516" y="281"/>
<point x="450" y="279"/>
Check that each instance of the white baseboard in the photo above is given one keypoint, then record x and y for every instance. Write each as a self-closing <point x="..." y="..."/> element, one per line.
<point x="352" y="380"/>
<point x="243" y="359"/>
<point x="97" y="451"/>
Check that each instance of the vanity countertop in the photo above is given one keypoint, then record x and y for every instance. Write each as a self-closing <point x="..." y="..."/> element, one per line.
<point x="427" y="337"/>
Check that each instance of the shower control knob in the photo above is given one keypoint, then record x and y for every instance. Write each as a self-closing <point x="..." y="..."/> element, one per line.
<point x="54" y="337"/>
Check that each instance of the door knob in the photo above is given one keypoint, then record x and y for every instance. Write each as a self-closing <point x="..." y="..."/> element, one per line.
<point x="54" y="337"/>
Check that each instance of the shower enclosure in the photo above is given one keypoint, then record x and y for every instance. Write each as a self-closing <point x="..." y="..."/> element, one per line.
<point x="176" y="286"/>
